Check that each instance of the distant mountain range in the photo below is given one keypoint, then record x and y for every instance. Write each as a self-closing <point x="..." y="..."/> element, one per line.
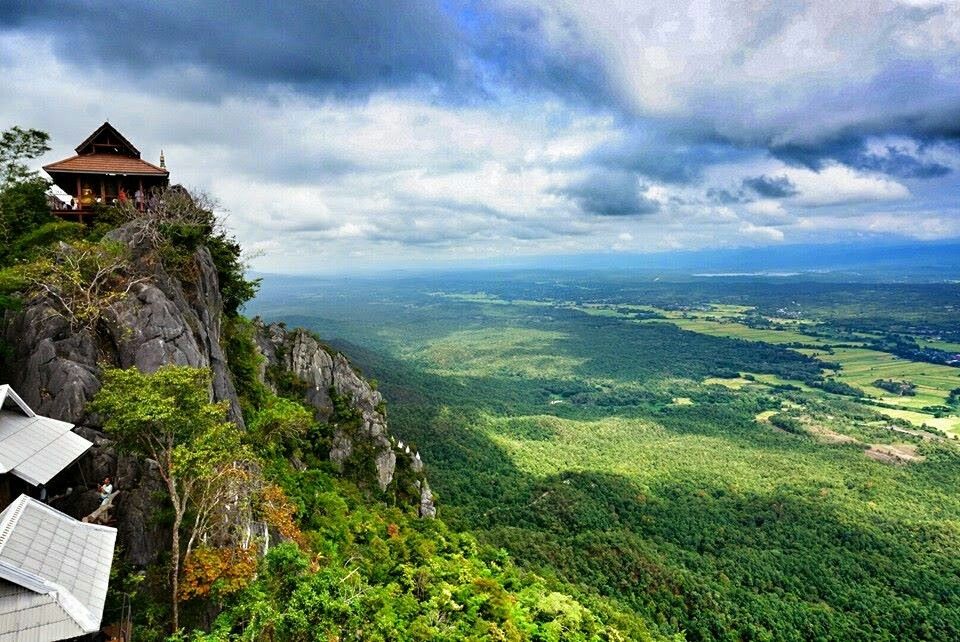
<point x="879" y="261"/>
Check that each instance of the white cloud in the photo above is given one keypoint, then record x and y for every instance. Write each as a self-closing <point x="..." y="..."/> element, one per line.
<point x="925" y="226"/>
<point x="763" y="232"/>
<point x="790" y="72"/>
<point x="399" y="178"/>
<point x="839" y="184"/>
<point x="768" y="211"/>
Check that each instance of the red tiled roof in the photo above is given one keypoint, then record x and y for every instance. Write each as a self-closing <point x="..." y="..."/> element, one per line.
<point x="105" y="164"/>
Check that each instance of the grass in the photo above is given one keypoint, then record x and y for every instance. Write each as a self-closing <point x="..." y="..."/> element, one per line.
<point x="733" y="383"/>
<point x="720" y="328"/>
<point x="764" y="417"/>
<point x="940" y="345"/>
<point x="861" y="367"/>
<point x="949" y="424"/>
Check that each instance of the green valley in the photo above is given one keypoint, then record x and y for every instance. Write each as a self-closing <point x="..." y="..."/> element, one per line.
<point x="696" y="452"/>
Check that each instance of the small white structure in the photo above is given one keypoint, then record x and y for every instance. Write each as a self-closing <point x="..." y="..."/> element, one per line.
<point x="54" y="573"/>
<point x="32" y="447"/>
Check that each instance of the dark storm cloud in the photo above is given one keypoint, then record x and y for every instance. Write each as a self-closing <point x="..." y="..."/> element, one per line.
<point x="670" y="152"/>
<point x="771" y="186"/>
<point x="921" y="104"/>
<point x="726" y="197"/>
<point x="899" y="162"/>
<point x="855" y="152"/>
<point x="328" y="45"/>
<point x="510" y="42"/>
<point x="610" y="193"/>
<point x="477" y="49"/>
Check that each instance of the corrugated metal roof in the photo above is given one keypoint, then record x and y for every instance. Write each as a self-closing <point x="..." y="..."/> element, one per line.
<point x="9" y="399"/>
<point x="55" y="456"/>
<point x="33" y="447"/>
<point x="26" y="616"/>
<point x="105" y="164"/>
<point x="54" y="572"/>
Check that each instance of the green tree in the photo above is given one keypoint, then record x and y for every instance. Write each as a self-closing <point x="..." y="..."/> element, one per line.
<point x="168" y="416"/>
<point x="280" y="421"/>
<point x="16" y="146"/>
<point x="23" y="208"/>
<point x="23" y="194"/>
<point x="82" y="279"/>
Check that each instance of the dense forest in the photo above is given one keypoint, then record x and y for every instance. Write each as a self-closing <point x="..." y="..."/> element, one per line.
<point x="720" y="485"/>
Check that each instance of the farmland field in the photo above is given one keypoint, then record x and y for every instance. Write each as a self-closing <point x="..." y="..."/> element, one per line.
<point x="862" y="367"/>
<point x="740" y="331"/>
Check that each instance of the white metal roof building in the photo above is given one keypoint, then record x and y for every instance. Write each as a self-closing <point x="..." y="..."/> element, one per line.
<point x="54" y="573"/>
<point x="32" y="447"/>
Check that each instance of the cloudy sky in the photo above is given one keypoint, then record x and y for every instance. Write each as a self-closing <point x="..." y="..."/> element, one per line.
<point x="359" y="133"/>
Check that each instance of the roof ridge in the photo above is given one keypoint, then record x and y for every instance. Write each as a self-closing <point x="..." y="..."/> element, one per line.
<point x="9" y="518"/>
<point x="55" y="586"/>
<point x="6" y="390"/>
<point x="76" y="609"/>
<point x="25" y="579"/>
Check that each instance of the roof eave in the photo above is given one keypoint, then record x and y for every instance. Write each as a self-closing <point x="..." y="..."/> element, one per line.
<point x="53" y="170"/>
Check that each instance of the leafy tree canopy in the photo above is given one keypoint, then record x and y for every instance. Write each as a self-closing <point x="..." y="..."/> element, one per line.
<point x="16" y="146"/>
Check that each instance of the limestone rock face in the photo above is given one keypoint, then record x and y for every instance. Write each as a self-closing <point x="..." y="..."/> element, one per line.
<point x="427" y="507"/>
<point x="171" y="320"/>
<point x="325" y="375"/>
<point x="54" y="369"/>
<point x="176" y="319"/>
<point x="311" y="363"/>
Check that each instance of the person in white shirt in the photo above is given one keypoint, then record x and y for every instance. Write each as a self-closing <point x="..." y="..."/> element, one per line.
<point x="106" y="489"/>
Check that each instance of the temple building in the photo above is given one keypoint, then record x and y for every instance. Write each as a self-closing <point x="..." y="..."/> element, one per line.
<point x="106" y="168"/>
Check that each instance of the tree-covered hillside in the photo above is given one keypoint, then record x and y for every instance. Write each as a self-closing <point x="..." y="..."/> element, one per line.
<point x="713" y="479"/>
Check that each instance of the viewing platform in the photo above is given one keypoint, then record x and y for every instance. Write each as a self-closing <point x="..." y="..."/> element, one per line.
<point x="106" y="169"/>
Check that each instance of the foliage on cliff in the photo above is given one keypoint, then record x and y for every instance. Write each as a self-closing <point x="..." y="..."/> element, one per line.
<point x="373" y="572"/>
<point x="368" y="568"/>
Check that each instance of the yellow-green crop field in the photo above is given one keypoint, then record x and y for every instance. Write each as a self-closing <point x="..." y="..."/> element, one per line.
<point x="948" y="424"/>
<point x="740" y="331"/>
<point x="941" y="345"/>
<point x="861" y="367"/>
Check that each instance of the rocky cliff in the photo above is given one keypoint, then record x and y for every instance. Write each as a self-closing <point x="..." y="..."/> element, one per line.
<point x="328" y="379"/>
<point x="176" y="318"/>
